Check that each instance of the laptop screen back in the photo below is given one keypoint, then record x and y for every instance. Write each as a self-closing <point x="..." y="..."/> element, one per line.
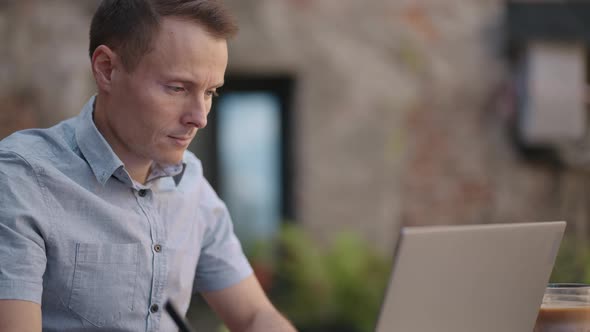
<point x="480" y="278"/>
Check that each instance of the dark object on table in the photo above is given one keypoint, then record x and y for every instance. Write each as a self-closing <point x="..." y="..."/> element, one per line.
<point x="183" y="325"/>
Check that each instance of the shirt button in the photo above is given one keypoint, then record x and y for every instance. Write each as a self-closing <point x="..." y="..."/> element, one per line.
<point x="157" y="248"/>
<point x="142" y="193"/>
<point x="154" y="308"/>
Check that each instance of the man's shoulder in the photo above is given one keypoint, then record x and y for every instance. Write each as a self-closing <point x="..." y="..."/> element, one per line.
<point x="40" y="145"/>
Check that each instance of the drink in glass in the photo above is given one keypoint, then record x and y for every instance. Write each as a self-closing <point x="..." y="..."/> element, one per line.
<point x="565" y="308"/>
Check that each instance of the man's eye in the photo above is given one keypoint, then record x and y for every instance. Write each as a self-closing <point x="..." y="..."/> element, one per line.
<point x="212" y="93"/>
<point x="175" y="88"/>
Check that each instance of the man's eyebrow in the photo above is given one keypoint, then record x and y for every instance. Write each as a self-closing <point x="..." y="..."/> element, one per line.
<point x="179" y="79"/>
<point x="189" y="81"/>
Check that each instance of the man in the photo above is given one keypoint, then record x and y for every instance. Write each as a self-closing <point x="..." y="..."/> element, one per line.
<point x="106" y="216"/>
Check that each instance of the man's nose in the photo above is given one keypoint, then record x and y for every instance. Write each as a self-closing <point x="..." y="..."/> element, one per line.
<point x="196" y="115"/>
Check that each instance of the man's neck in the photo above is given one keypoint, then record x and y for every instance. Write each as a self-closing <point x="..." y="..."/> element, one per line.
<point x="139" y="173"/>
<point x="137" y="167"/>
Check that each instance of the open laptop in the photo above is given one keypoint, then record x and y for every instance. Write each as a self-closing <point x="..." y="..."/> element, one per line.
<point x="480" y="278"/>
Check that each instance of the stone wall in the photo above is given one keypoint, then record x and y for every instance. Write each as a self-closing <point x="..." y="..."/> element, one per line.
<point x="399" y="113"/>
<point x="398" y="110"/>
<point x="44" y="66"/>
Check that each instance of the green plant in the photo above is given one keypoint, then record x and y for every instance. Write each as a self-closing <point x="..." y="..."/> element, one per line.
<point x="573" y="262"/>
<point x="335" y="288"/>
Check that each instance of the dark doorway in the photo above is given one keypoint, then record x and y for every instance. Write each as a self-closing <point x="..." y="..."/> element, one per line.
<point x="247" y="155"/>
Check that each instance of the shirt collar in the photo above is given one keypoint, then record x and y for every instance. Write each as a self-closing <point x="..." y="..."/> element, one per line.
<point x="102" y="159"/>
<point x="98" y="153"/>
<point x="175" y="171"/>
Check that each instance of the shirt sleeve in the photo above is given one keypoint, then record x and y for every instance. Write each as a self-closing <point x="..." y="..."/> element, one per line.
<point x="222" y="262"/>
<point x="22" y="246"/>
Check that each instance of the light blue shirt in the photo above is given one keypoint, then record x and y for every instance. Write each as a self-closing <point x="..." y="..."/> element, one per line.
<point x="98" y="250"/>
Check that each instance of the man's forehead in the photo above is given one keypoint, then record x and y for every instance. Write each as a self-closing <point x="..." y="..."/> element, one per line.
<point x="185" y="44"/>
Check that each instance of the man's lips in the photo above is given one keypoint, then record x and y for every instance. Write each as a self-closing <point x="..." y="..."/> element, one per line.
<point x="187" y="138"/>
<point x="182" y="140"/>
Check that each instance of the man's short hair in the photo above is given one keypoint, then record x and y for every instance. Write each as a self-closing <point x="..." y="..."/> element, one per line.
<point x="129" y="26"/>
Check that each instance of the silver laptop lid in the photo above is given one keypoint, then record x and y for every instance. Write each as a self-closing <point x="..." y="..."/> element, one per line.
<point x="479" y="278"/>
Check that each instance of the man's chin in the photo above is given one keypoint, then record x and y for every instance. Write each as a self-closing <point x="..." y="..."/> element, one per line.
<point x="170" y="160"/>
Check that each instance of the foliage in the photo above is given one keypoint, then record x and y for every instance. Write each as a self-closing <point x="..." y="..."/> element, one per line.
<point x="338" y="287"/>
<point x="573" y="262"/>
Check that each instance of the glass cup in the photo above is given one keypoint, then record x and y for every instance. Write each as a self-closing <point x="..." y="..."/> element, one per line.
<point x="565" y="308"/>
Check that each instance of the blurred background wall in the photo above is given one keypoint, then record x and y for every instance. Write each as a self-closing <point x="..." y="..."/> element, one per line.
<point x="399" y="112"/>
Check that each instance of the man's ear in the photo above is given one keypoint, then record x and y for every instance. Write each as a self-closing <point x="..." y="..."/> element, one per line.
<point x="104" y="61"/>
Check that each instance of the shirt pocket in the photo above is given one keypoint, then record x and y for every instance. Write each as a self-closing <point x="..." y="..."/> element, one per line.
<point x="104" y="281"/>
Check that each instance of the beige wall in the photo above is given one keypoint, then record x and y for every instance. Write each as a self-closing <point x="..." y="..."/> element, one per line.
<point x="398" y="115"/>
